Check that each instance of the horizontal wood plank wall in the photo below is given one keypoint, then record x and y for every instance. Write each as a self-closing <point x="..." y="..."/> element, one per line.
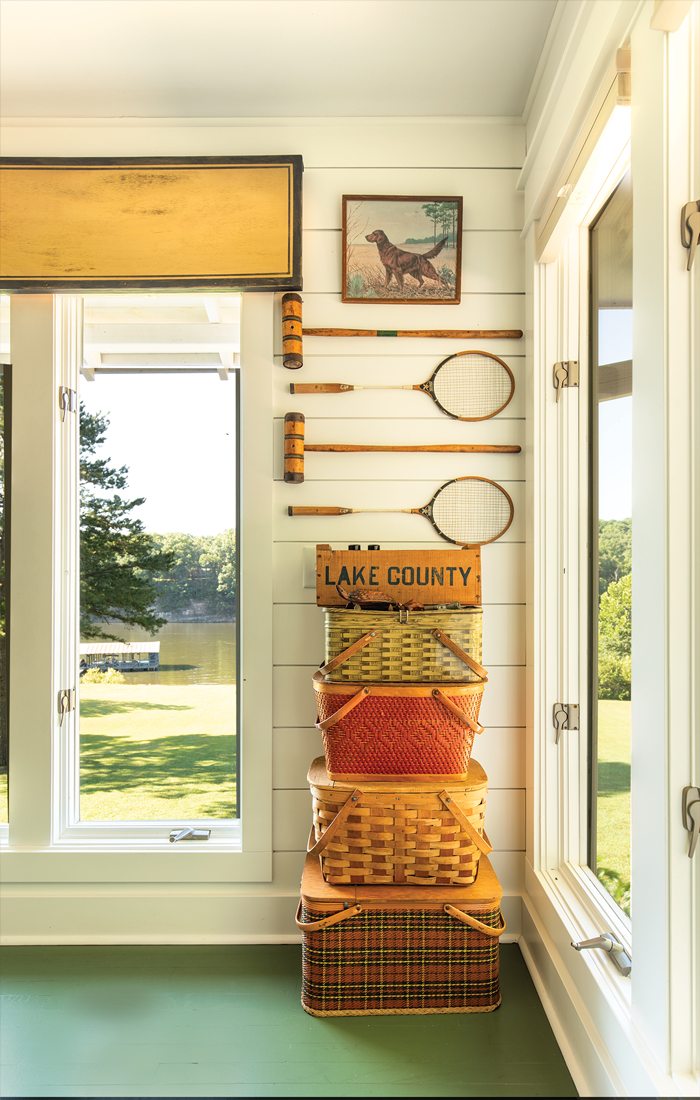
<point x="480" y="160"/>
<point x="492" y="297"/>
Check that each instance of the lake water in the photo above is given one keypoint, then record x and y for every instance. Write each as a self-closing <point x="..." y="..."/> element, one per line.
<point x="190" y="653"/>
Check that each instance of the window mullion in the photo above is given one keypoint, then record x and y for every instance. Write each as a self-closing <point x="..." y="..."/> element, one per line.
<point x="44" y="340"/>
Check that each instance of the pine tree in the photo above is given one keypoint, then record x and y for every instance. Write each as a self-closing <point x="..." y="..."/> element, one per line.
<point x="119" y="559"/>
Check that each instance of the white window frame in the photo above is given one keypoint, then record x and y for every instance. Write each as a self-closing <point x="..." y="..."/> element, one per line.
<point x="561" y="470"/>
<point x="42" y="844"/>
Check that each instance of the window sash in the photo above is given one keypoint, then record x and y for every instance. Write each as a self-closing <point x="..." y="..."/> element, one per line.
<point x="41" y="838"/>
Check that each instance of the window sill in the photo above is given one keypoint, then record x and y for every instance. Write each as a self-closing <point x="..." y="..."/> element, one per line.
<point x="119" y="860"/>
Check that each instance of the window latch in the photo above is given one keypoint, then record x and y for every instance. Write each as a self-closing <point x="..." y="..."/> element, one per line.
<point x="67" y="401"/>
<point x="189" y="833"/>
<point x="691" y="816"/>
<point x="607" y="942"/>
<point x="690" y="229"/>
<point x="564" y="375"/>
<point x="65" y="703"/>
<point x="564" y="717"/>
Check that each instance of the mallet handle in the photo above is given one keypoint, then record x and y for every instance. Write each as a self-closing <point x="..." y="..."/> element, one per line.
<point x="447" y="333"/>
<point x="438" y="448"/>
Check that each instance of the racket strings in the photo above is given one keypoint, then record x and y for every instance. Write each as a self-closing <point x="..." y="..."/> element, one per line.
<point x="473" y="386"/>
<point x="472" y="511"/>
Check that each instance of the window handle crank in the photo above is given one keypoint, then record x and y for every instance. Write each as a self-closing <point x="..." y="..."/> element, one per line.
<point x="180" y="834"/>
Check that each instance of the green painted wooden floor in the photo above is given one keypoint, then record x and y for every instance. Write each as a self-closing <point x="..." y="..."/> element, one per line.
<point x="226" y="1021"/>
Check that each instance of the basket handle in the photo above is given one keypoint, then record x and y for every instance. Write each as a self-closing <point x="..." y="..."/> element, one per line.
<point x="346" y="654"/>
<point x="462" y="654"/>
<point x="352" y="702"/>
<point x="325" y="922"/>
<point x="482" y="842"/>
<point x="473" y="922"/>
<point x="315" y="849"/>
<point x="475" y="727"/>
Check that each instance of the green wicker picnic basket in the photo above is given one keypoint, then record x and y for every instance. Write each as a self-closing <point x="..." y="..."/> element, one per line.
<point x="437" y="645"/>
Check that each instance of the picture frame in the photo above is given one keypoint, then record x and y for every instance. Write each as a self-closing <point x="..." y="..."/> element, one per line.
<point x="405" y="249"/>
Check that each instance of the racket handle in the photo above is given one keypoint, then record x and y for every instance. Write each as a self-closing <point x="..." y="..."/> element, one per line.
<point x="319" y="387"/>
<point x="292" y="356"/>
<point x="302" y="510"/>
<point x="294" y="447"/>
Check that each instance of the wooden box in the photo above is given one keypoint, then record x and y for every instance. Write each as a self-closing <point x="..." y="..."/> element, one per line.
<point x="383" y="950"/>
<point x="412" y="832"/>
<point x="428" y="577"/>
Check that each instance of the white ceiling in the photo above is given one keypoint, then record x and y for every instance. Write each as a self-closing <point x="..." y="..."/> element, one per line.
<point x="268" y="58"/>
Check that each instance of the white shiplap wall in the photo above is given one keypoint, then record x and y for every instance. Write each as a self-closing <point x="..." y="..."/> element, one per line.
<point x="480" y="160"/>
<point x="492" y="297"/>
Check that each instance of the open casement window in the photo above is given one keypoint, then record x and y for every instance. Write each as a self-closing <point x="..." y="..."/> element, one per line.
<point x="584" y="361"/>
<point x="135" y="589"/>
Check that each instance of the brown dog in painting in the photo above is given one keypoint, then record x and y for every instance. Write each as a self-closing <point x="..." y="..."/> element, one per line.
<point x="398" y="262"/>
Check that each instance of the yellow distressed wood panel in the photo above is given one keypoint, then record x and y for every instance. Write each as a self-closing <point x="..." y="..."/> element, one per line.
<point x="165" y="223"/>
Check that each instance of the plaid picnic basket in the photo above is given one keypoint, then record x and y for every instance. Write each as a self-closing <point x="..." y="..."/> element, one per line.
<point x="392" y="832"/>
<point x="391" y="730"/>
<point x="378" y="950"/>
<point x="405" y="645"/>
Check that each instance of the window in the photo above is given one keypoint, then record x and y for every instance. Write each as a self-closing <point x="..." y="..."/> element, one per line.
<point x="5" y="412"/>
<point x="158" y="590"/>
<point x="610" y="534"/>
<point x="155" y="366"/>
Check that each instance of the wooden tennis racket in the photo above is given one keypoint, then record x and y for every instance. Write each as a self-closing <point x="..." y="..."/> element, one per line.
<point x="469" y="511"/>
<point x="469" y="385"/>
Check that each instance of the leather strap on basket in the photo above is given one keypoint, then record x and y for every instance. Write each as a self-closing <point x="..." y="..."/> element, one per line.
<point x="344" y="812"/>
<point x="325" y="922"/>
<point x="346" y="654"/>
<point x="461" y="653"/>
<point x="351" y="703"/>
<point x="474" y="922"/>
<point x="459" y="815"/>
<point x="475" y="727"/>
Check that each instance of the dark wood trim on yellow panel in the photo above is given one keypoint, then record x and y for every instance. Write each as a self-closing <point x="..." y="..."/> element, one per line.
<point x="125" y="223"/>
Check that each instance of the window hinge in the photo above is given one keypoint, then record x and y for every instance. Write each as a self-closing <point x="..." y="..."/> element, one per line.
<point x="66" y="702"/>
<point x="691" y="816"/>
<point x="690" y="229"/>
<point x="67" y="401"/>
<point x="564" y="717"/>
<point x="564" y="375"/>
<point x="607" y="942"/>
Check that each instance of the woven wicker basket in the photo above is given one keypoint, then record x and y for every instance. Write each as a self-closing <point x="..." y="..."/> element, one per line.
<point x="403" y="646"/>
<point x="427" y="835"/>
<point x="381" y="950"/>
<point x="393" y="730"/>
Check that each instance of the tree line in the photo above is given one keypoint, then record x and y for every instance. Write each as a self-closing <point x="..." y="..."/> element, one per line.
<point x="132" y="576"/>
<point x="615" y="609"/>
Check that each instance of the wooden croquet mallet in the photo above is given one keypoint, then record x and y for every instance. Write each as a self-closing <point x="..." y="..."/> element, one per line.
<point x="292" y="353"/>
<point x="295" y="445"/>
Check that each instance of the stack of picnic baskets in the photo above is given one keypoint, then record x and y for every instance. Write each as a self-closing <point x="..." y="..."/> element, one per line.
<point x="400" y="906"/>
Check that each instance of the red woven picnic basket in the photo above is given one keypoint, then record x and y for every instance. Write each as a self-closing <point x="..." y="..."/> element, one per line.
<point x="392" y="730"/>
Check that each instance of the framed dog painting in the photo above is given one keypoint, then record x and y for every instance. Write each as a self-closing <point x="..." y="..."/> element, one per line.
<point x="402" y="249"/>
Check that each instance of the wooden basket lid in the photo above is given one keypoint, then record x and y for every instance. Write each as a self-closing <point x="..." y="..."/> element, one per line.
<point x="317" y="894"/>
<point x="318" y="777"/>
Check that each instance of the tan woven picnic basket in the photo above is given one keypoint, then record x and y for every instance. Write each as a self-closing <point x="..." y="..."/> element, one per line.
<point x="398" y="832"/>
<point x="406" y="646"/>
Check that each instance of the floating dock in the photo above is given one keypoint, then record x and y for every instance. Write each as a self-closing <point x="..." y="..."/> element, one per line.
<point x="123" y="656"/>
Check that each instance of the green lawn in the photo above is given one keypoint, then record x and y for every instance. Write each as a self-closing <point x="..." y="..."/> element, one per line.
<point x="157" y="751"/>
<point x="613" y="804"/>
